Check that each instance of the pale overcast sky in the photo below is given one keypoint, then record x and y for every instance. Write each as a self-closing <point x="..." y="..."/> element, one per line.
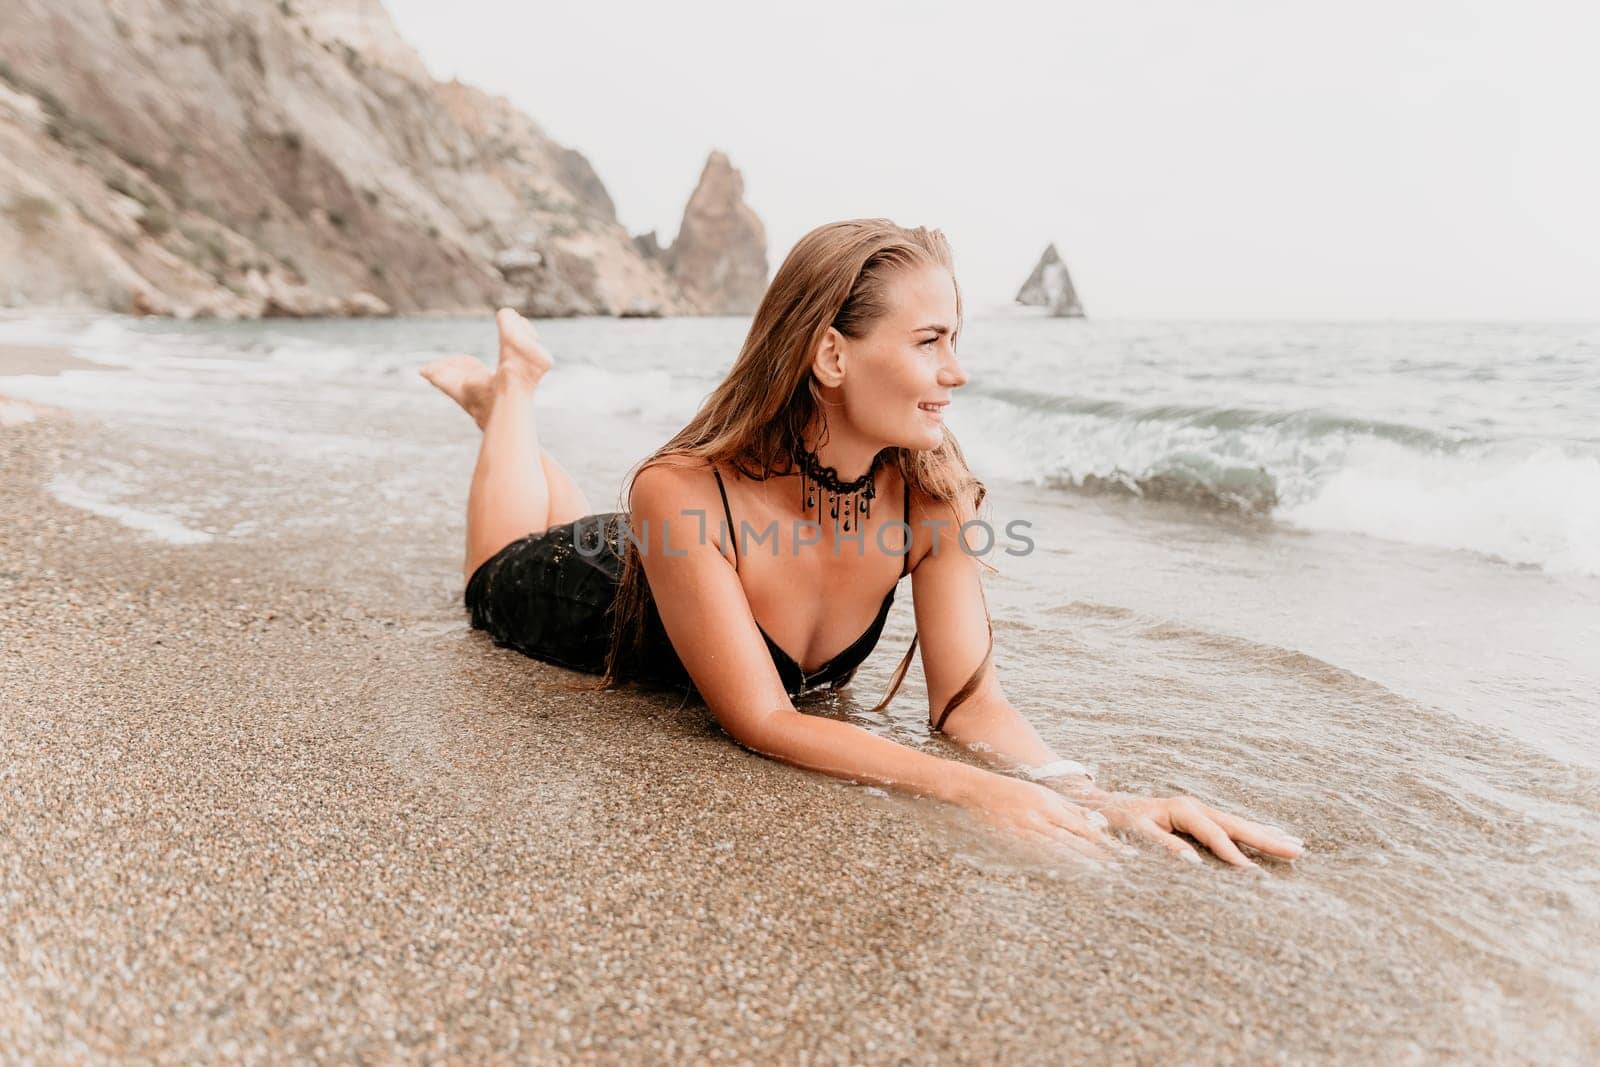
<point x="1412" y="158"/>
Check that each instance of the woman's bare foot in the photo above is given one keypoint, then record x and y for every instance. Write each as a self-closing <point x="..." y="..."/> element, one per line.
<point x="523" y="358"/>
<point x="465" y="380"/>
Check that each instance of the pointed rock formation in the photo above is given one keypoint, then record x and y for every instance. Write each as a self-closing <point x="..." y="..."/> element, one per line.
<point x="648" y="246"/>
<point x="719" y="258"/>
<point x="1051" y="286"/>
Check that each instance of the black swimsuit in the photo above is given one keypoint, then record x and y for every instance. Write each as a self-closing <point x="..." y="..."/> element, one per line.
<point x="842" y="667"/>
<point x="548" y="595"/>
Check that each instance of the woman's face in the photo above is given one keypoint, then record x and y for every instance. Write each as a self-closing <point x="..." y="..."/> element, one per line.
<point x="898" y="379"/>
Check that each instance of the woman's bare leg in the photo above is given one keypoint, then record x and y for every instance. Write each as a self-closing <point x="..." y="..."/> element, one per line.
<point x="567" y="501"/>
<point x="517" y="487"/>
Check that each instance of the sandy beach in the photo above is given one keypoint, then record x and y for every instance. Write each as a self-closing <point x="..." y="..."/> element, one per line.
<point x="258" y="803"/>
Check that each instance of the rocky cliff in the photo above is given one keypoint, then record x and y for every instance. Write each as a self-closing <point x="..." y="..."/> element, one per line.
<point x="262" y="157"/>
<point x="1051" y="286"/>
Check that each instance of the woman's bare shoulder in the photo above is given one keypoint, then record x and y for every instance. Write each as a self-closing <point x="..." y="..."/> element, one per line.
<point x="669" y="480"/>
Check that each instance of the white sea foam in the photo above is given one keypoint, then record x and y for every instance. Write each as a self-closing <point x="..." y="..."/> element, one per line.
<point x="586" y="387"/>
<point x="164" y="527"/>
<point x="1541" y="507"/>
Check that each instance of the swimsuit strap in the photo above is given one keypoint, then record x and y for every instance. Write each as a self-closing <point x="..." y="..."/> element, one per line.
<point x="905" y="565"/>
<point x="729" y="513"/>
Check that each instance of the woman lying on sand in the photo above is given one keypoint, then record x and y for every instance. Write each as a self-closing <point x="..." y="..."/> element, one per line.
<point x="836" y="402"/>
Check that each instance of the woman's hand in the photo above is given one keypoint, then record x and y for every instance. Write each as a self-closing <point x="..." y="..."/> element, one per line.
<point x="1160" y="820"/>
<point x="1038" y="812"/>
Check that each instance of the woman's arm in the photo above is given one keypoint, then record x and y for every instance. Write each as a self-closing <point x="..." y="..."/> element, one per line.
<point x="953" y="629"/>
<point x="708" y="619"/>
<point x="989" y="725"/>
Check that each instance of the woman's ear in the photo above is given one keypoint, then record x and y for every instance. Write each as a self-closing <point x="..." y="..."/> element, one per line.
<point x="828" y="365"/>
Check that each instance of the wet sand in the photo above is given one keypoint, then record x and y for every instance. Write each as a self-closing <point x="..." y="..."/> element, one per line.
<point x="34" y="359"/>
<point x="41" y="359"/>
<point x="254" y="806"/>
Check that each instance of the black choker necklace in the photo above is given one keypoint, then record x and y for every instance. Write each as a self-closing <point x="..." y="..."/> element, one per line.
<point x="857" y="495"/>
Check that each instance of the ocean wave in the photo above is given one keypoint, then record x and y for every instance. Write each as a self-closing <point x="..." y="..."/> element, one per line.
<point x="1196" y="481"/>
<point x="1538" y="506"/>
<point x="1306" y="423"/>
<point x="1522" y="501"/>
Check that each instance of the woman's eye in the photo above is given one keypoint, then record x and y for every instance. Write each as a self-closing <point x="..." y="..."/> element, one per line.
<point x="931" y="340"/>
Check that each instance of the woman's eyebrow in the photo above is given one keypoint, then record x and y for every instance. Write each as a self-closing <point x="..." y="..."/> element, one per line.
<point x="935" y="327"/>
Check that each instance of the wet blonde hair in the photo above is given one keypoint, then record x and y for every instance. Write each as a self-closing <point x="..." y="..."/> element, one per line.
<point x="837" y="275"/>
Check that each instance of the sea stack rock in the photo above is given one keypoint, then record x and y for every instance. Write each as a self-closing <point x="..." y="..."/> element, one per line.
<point x="1051" y="286"/>
<point x="719" y="258"/>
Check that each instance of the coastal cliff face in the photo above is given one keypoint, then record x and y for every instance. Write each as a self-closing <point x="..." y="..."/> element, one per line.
<point x="257" y="157"/>
<point x="1051" y="286"/>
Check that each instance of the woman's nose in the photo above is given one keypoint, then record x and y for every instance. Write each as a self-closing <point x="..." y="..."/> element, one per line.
<point x="952" y="374"/>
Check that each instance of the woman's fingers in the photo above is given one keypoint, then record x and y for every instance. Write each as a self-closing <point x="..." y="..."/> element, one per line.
<point x="1055" y="837"/>
<point x="1094" y="827"/>
<point x="1268" y="839"/>
<point x="1044" y="829"/>
<point x="1163" y="820"/>
<point x="1076" y="830"/>
<point x="1090" y="825"/>
<point x="1201" y="827"/>
<point x="1079" y="845"/>
<point x="1171" y="842"/>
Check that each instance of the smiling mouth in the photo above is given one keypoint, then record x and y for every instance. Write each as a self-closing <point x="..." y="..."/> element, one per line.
<point x="934" y="409"/>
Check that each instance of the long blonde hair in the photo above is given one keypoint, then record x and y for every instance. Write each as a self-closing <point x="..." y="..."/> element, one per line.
<point x="837" y="275"/>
